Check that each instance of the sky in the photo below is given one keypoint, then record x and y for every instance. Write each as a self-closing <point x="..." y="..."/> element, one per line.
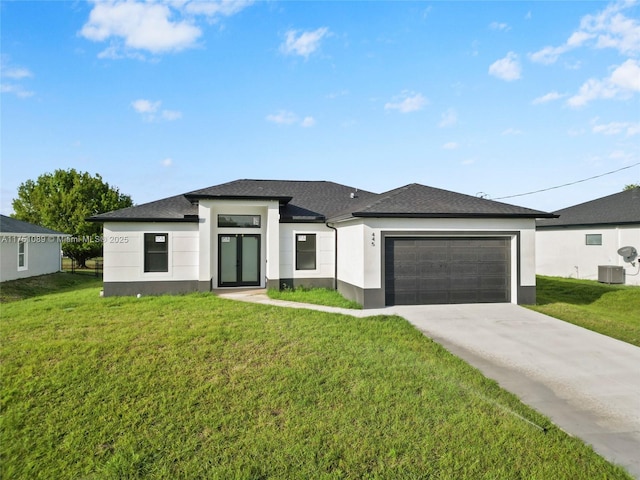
<point x="493" y="99"/>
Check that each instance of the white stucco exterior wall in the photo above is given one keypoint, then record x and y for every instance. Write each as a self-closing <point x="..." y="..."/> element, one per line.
<point x="42" y="254"/>
<point x="564" y="252"/>
<point x="325" y="250"/>
<point x="208" y="211"/>
<point x="124" y="251"/>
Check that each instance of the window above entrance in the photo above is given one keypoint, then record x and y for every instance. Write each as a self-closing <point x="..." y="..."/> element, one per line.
<point x="238" y="221"/>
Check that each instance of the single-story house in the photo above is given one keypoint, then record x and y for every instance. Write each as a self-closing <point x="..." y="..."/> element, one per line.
<point x="587" y="237"/>
<point x="411" y="245"/>
<point x="27" y="250"/>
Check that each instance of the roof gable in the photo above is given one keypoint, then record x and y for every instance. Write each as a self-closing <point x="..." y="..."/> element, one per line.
<point x="617" y="209"/>
<point x="13" y="225"/>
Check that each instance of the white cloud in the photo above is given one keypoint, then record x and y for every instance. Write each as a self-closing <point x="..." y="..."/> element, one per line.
<point x="149" y="109"/>
<point x="512" y="131"/>
<point x="622" y="83"/>
<point x="282" y="118"/>
<point x="167" y="162"/>
<point x="304" y="43"/>
<point x="549" y="97"/>
<point x="216" y="8"/>
<point x="407" y="102"/>
<point x="145" y="106"/>
<point x="616" y="128"/>
<point x="308" y="122"/>
<point x="448" y="118"/>
<point x="15" y="75"/>
<point x="17" y="90"/>
<point x="285" y="117"/>
<point x="609" y="28"/>
<point x="507" y="68"/>
<point x="499" y="26"/>
<point x="171" y="115"/>
<point x="450" y="146"/>
<point x="627" y="76"/>
<point x="155" y="27"/>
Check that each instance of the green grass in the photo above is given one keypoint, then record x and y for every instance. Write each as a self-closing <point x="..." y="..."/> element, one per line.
<point x="197" y="386"/>
<point x="317" y="296"/>
<point x="612" y="310"/>
<point x="45" y="284"/>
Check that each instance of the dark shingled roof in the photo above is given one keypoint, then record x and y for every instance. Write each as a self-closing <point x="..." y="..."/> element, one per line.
<point x="617" y="209"/>
<point x="11" y="225"/>
<point x="318" y="201"/>
<point x="301" y="200"/>
<point x="172" y="209"/>
<point x="420" y="201"/>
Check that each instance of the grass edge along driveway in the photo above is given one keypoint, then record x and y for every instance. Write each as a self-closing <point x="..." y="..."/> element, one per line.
<point x="200" y="387"/>
<point x="612" y="310"/>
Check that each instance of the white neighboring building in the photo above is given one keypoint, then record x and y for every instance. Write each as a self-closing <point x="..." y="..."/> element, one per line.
<point x="411" y="245"/>
<point x="589" y="235"/>
<point x="27" y="250"/>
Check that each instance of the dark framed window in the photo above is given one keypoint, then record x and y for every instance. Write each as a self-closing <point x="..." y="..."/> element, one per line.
<point x="305" y="251"/>
<point x="239" y="221"/>
<point x="593" y="239"/>
<point x="156" y="252"/>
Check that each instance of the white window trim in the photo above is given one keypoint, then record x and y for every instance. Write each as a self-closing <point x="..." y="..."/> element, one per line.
<point x="25" y="256"/>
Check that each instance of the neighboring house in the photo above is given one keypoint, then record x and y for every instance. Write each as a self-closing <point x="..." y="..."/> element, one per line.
<point x="588" y="235"/>
<point x="27" y="250"/>
<point x="411" y="245"/>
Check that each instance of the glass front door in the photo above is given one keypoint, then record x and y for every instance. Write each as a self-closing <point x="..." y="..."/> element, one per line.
<point x="238" y="260"/>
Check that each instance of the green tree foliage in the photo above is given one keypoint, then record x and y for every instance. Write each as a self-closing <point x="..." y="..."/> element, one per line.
<point x="62" y="201"/>
<point x="631" y="186"/>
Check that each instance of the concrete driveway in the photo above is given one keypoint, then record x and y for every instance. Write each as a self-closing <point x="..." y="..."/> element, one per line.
<point x="587" y="384"/>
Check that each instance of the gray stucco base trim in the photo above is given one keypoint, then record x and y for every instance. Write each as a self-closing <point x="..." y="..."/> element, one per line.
<point x="113" y="289"/>
<point x="306" y="282"/>
<point x="367" y="297"/>
<point x="526" y="295"/>
<point x="374" y="297"/>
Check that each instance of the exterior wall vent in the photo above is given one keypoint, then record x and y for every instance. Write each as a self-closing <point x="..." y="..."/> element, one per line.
<point x="610" y="274"/>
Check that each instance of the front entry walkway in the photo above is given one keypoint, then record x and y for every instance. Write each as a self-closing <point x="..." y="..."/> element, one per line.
<point x="588" y="384"/>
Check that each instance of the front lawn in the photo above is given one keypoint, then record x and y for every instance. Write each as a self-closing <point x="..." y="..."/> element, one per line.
<point x="317" y="296"/>
<point x="197" y="386"/>
<point x="612" y="310"/>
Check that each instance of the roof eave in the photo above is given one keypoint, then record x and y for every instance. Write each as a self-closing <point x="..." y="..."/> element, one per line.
<point x="586" y="225"/>
<point x="141" y="219"/>
<point x="280" y="198"/>
<point x="453" y="215"/>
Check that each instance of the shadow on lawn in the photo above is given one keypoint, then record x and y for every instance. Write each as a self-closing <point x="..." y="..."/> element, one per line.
<point x="31" y="287"/>
<point x="571" y="291"/>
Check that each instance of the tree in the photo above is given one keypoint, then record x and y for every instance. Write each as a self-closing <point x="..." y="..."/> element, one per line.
<point x="62" y="201"/>
<point x="631" y="186"/>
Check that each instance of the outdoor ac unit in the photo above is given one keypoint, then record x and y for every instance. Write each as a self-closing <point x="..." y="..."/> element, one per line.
<point x="610" y="274"/>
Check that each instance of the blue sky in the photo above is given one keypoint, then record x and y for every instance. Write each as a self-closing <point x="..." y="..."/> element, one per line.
<point x="483" y="98"/>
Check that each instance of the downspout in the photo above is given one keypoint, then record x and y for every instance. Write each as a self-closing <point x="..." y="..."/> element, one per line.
<point x="335" y="262"/>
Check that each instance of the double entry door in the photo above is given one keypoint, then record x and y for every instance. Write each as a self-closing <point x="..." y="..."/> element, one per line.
<point x="238" y="260"/>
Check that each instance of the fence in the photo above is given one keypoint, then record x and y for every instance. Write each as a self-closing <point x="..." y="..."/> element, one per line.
<point x="94" y="266"/>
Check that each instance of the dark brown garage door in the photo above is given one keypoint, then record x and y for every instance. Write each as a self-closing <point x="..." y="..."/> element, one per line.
<point x="447" y="270"/>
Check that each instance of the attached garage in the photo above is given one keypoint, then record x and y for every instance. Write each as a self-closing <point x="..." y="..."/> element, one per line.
<point x="440" y="270"/>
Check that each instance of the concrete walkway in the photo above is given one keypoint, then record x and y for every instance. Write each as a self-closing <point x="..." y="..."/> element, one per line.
<point x="587" y="384"/>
